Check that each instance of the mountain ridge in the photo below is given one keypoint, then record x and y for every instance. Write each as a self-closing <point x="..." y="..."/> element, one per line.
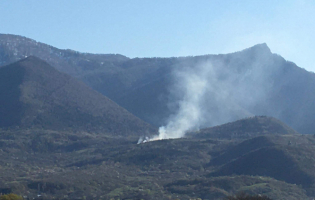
<point x="142" y="86"/>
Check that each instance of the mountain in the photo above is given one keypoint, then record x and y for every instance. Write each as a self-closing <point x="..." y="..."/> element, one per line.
<point x="14" y="48"/>
<point x="61" y="139"/>
<point x="247" y="83"/>
<point x="245" y="128"/>
<point x="36" y="95"/>
<point x="243" y="84"/>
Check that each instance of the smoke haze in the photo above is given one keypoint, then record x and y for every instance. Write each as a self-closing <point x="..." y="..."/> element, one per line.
<point x="214" y="92"/>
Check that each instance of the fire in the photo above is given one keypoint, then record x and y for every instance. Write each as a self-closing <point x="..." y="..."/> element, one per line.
<point x="162" y="136"/>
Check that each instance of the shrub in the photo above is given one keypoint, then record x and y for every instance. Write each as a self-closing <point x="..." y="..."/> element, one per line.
<point x="244" y="196"/>
<point x="10" y="197"/>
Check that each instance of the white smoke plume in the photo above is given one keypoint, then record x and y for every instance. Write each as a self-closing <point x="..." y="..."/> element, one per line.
<point x="211" y="92"/>
<point x="191" y="88"/>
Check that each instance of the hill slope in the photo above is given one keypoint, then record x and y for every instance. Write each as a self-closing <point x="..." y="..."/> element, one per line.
<point x="286" y="157"/>
<point x="246" y="128"/>
<point x="59" y="163"/>
<point x="35" y="95"/>
<point x="246" y="83"/>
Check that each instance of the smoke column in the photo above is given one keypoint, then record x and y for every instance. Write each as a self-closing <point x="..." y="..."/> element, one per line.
<point x="191" y="87"/>
<point x="216" y="90"/>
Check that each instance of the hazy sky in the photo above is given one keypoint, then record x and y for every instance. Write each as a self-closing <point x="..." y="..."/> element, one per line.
<point x="147" y="28"/>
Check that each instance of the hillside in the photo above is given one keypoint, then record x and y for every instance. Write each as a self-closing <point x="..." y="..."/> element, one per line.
<point x="218" y="187"/>
<point x="245" y="128"/>
<point x="283" y="157"/>
<point x="246" y="83"/>
<point x="70" y="165"/>
<point x="36" y="95"/>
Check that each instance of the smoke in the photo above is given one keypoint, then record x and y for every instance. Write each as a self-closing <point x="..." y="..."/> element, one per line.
<point x="191" y="87"/>
<point x="216" y="90"/>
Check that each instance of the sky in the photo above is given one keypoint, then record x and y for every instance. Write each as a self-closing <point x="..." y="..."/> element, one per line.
<point x="166" y="28"/>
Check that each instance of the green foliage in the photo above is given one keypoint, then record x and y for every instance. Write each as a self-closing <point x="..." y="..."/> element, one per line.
<point x="98" y="167"/>
<point x="11" y="197"/>
<point x="218" y="187"/>
<point x="243" y="196"/>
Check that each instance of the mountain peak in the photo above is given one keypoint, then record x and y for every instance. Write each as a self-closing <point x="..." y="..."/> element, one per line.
<point x="258" y="48"/>
<point x="32" y="58"/>
<point x="262" y="46"/>
<point x="33" y="61"/>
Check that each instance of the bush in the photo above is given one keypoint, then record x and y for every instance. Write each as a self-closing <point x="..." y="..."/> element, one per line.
<point x="244" y="196"/>
<point x="10" y="197"/>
